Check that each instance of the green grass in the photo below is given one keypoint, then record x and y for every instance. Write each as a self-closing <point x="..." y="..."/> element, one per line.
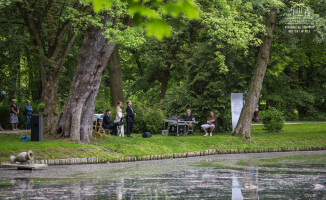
<point x="301" y="135"/>
<point x="278" y="164"/>
<point x="285" y="161"/>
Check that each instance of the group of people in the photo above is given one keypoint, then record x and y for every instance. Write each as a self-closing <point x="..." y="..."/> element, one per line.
<point x="117" y="126"/>
<point x="210" y="123"/>
<point x="14" y="111"/>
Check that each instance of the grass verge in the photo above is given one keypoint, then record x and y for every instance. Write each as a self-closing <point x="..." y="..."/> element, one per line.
<point x="298" y="135"/>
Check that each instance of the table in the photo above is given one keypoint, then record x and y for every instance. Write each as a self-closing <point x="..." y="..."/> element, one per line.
<point x="176" y="127"/>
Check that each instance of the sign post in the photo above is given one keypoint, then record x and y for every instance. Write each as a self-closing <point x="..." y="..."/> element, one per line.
<point x="236" y="107"/>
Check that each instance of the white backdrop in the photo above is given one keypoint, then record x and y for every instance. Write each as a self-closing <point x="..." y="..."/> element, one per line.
<point x="236" y="107"/>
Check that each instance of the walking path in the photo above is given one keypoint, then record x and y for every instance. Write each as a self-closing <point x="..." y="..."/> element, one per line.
<point x="11" y="132"/>
<point x="292" y="123"/>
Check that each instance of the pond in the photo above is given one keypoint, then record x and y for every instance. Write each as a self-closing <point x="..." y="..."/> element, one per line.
<point x="242" y="176"/>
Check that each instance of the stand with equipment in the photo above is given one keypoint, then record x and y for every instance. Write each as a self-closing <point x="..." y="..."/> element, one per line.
<point x="176" y="127"/>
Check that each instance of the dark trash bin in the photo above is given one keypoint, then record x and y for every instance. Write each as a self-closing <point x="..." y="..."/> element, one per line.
<point x="37" y="128"/>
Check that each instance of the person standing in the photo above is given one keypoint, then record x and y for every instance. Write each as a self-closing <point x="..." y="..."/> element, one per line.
<point x="130" y="118"/>
<point x="28" y="113"/>
<point x="118" y="118"/>
<point x="14" y="111"/>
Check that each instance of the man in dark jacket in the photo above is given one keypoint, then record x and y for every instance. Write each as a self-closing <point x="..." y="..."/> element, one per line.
<point x="189" y="119"/>
<point x="108" y="123"/>
<point x="130" y="118"/>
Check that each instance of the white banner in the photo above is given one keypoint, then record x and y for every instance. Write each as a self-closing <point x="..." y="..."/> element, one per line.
<point x="236" y="107"/>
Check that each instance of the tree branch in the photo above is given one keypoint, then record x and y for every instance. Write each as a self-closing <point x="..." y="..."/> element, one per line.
<point x="47" y="8"/>
<point x="55" y="48"/>
<point x="60" y="60"/>
<point x="19" y="23"/>
<point x="34" y="36"/>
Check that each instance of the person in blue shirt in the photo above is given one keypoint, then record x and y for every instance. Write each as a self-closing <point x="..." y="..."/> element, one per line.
<point x="28" y="113"/>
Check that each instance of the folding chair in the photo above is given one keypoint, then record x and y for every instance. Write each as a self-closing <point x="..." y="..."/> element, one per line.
<point x="190" y="129"/>
<point x="100" y="128"/>
<point x="216" y="127"/>
<point x="95" y="124"/>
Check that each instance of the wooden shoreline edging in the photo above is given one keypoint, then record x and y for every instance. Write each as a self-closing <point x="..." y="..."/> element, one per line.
<point x="76" y="161"/>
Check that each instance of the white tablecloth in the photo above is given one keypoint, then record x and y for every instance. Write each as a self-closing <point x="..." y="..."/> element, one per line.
<point x="98" y="116"/>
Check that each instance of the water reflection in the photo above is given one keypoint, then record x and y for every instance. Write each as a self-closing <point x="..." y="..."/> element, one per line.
<point x="192" y="183"/>
<point x="159" y="180"/>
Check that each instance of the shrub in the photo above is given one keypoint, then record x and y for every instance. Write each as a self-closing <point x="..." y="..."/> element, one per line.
<point x="273" y="120"/>
<point x="41" y="107"/>
<point x="153" y="120"/>
<point x="148" y="118"/>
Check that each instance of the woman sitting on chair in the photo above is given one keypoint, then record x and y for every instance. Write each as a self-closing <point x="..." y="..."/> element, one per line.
<point x="210" y="124"/>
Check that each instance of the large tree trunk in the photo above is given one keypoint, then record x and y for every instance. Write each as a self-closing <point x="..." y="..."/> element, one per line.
<point x="243" y="127"/>
<point x="50" y="99"/>
<point x="76" y="117"/>
<point x="115" y="72"/>
<point x="164" y="86"/>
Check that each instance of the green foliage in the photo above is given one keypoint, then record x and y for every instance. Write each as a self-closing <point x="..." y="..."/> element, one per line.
<point x="158" y="28"/>
<point x="152" y="11"/>
<point x="295" y="78"/>
<point x="153" y="120"/>
<point x="147" y="118"/>
<point x="273" y="120"/>
<point x="41" y="107"/>
<point x="205" y="59"/>
<point x="103" y="98"/>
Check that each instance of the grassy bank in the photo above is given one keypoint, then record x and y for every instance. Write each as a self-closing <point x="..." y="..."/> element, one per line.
<point x="299" y="135"/>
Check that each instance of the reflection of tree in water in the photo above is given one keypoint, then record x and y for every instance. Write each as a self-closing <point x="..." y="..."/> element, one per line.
<point x="250" y="183"/>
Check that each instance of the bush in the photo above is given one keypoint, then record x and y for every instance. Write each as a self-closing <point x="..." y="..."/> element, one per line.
<point x="153" y="120"/>
<point x="41" y="107"/>
<point x="273" y="120"/>
<point x="148" y="118"/>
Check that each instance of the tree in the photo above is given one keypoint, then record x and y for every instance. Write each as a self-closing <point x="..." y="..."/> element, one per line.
<point x="243" y="127"/>
<point x="244" y="124"/>
<point x="52" y="35"/>
<point x="219" y="49"/>
<point x="115" y="72"/>
<point x="76" y="117"/>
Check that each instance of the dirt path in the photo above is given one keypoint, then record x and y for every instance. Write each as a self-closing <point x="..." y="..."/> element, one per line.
<point x="11" y="132"/>
<point x="292" y="123"/>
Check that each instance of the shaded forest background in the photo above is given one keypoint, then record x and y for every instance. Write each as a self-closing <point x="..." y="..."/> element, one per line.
<point x="203" y="61"/>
